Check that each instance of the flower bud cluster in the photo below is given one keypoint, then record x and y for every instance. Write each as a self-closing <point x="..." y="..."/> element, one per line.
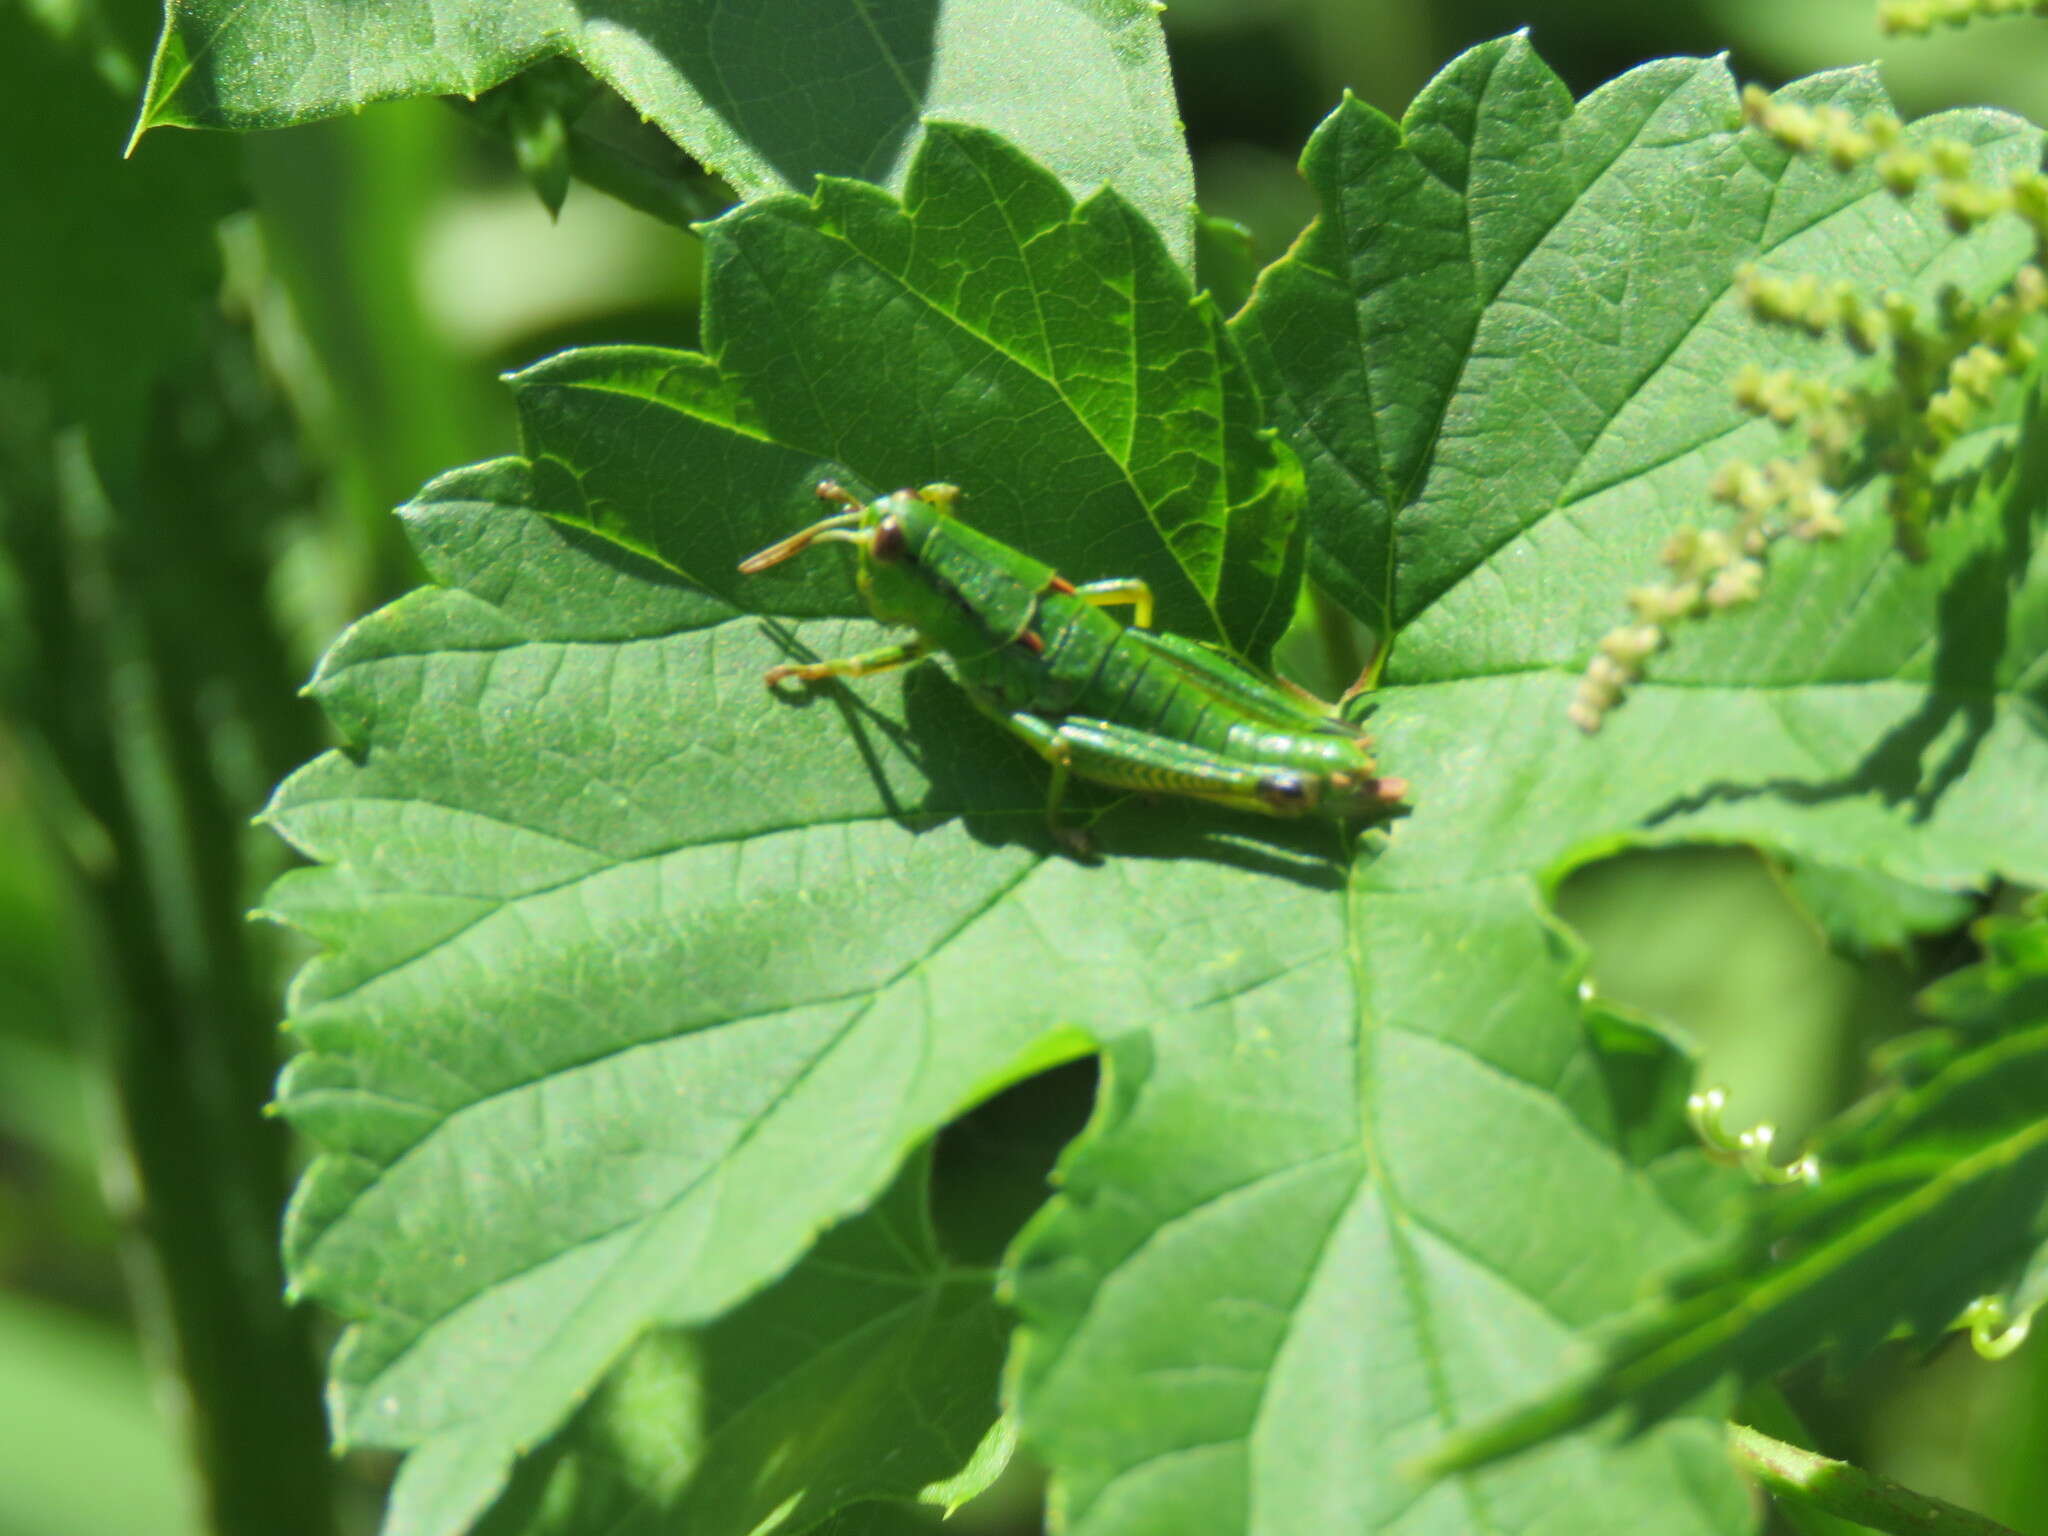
<point x="1942" y="370"/>
<point x="1878" y="139"/>
<point x="1712" y="570"/>
<point x="1942" y="365"/>
<point x="1917" y="18"/>
<point x="1844" y="139"/>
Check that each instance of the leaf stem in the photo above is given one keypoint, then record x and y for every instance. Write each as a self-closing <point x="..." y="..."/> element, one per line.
<point x="682" y="193"/>
<point x="681" y="200"/>
<point x="1842" y="1489"/>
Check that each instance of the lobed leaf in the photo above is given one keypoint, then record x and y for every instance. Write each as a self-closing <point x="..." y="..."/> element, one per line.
<point x="1504" y="351"/>
<point x="1045" y="355"/>
<point x="1500" y="356"/>
<point x="638" y="978"/>
<point x="765" y="96"/>
<point x="537" y="1147"/>
<point x="605" y="1039"/>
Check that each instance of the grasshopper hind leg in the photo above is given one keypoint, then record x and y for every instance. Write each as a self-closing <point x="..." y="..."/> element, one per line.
<point x="1123" y="758"/>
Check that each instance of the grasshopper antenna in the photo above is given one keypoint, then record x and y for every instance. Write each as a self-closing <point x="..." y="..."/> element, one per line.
<point x="831" y="528"/>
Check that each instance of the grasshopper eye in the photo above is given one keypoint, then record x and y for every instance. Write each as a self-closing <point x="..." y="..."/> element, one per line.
<point x="886" y="543"/>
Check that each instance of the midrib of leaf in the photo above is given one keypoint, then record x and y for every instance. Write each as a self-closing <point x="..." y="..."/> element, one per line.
<point x="1374" y="1180"/>
<point x="902" y="80"/>
<point x="1375" y="1176"/>
<point x="1426" y="462"/>
<point x="724" y="423"/>
<point x="1572" y="494"/>
<point x="1876" y="197"/>
<point x="192" y="59"/>
<point x="1486" y="296"/>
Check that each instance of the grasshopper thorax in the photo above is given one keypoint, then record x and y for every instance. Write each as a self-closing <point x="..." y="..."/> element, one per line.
<point x="920" y="566"/>
<point x="899" y="534"/>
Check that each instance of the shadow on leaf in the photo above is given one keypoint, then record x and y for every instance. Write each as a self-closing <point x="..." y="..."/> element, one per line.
<point x="997" y="787"/>
<point x="1923" y="756"/>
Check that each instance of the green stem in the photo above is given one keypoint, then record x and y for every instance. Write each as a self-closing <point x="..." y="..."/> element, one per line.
<point x="683" y="201"/>
<point x="178" y="1010"/>
<point x="1851" y="1493"/>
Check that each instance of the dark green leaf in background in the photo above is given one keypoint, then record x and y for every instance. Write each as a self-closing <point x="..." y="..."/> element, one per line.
<point x="2008" y="987"/>
<point x="1506" y="346"/>
<point x="1573" y="319"/>
<point x="122" y="255"/>
<point x="1864" y="912"/>
<point x="868" y="1371"/>
<point x="764" y="96"/>
<point x="144" y="714"/>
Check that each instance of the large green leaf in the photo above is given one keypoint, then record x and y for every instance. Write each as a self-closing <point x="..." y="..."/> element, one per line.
<point x="1501" y="355"/>
<point x="1352" y="1205"/>
<point x="1045" y="355"/>
<point x="638" y="976"/>
<point x="765" y="95"/>
<point x="1505" y="347"/>
<point x="455" y="846"/>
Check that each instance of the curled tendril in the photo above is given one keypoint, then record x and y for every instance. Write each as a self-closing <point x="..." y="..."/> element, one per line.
<point x="1994" y="1332"/>
<point x="1749" y="1150"/>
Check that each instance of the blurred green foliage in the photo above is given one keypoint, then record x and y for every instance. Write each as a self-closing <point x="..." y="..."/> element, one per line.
<point x="328" y="338"/>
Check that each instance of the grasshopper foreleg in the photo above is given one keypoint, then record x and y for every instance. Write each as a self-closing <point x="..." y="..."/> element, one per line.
<point x="864" y="665"/>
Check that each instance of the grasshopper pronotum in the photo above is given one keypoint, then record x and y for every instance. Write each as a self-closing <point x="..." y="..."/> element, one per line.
<point x="1123" y="706"/>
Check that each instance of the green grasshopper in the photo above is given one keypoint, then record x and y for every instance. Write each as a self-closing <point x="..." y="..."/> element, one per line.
<point x="1121" y="706"/>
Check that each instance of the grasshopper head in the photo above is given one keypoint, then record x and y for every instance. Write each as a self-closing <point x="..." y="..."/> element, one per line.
<point x="1358" y="794"/>
<point x="890" y="534"/>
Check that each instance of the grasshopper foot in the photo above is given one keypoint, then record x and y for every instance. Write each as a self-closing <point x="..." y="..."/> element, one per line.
<point x="1079" y="844"/>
